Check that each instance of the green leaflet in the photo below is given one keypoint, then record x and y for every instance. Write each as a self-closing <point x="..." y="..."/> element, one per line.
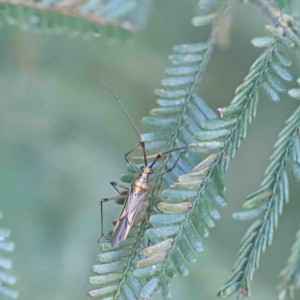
<point x="270" y="92"/>
<point x="147" y="272"/>
<point x="211" y="135"/>
<point x="281" y="72"/>
<point x="214" y="124"/>
<point x="257" y="198"/>
<point x="261" y="42"/>
<point x="179" y="195"/>
<point x="185" y="250"/>
<point x="294" y="93"/>
<point x="167" y="219"/>
<point x="179" y="263"/>
<point x="159" y="122"/>
<point x="158" y="248"/>
<point x="190" y="48"/>
<point x="177" y="81"/>
<point x="105" y="278"/>
<point x="152" y="260"/>
<point x="230" y="111"/>
<point x="275" y="82"/>
<point x="171" y="94"/>
<point x="178" y="71"/>
<point x="102" y="291"/>
<point x="285" y="41"/>
<point x="205" y="146"/>
<point x="249" y="214"/>
<point x="181" y="59"/>
<point x="173" y="208"/>
<point x="203" y="20"/>
<point x="282" y="58"/>
<point x="149" y="288"/>
<point x="156" y="135"/>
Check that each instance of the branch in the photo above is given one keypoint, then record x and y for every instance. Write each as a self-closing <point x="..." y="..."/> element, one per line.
<point x="265" y="205"/>
<point x="177" y="118"/>
<point x="277" y="19"/>
<point x="72" y="9"/>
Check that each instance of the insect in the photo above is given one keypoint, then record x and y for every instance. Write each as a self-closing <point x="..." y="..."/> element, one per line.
<point x="137" y="191"/>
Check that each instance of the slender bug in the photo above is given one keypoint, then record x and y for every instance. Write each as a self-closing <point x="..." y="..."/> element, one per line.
<point x="137" y="192"/>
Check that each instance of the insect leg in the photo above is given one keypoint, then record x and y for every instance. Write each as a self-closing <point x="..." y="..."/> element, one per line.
<point x="144" y="152"/>
<point x="163" y="153"/>
<point x="114" y="184"/>
<point x="170" y="169"/>
<point x="127" y="158"/>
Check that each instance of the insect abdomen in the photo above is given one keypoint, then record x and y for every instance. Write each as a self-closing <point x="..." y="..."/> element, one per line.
<point x="120" y="232"/>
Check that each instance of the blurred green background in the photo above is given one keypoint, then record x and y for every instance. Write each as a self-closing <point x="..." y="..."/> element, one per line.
<point x="62" y="139"/>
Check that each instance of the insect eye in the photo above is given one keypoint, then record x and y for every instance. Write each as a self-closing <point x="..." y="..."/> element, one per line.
<point x="142" y="168"/>
<point x="151" y="171"/>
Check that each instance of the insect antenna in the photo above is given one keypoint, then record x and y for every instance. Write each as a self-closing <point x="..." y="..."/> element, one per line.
<point x="123" y="108"/>
<point x="129" y="119"/>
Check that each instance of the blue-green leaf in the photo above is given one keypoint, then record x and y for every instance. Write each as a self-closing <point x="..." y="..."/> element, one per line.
<point x="203" y="20"/>
<point x="179" y="59"/>
<point x="190" y="48"/>
<point x="205" y="146"/>
<point x="247" y="215"/>
<point x="282" y="73"/>
<point x="217" y="123"/>
<point x="261" y="42"/>
<point x="294" y="93"/>
<point x="211" y="135"/>
<point x="270" y="92"/>
<point x="149" y="287"/>
<point x="179" y="71"/>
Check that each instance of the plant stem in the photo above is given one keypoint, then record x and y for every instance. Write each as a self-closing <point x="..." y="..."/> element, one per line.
<point x="268" y="11"/>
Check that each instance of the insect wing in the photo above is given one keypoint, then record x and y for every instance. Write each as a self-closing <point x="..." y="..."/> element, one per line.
<point x="131" y="206"/>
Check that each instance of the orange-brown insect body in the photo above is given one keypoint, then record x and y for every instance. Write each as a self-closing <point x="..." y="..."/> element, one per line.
<point x="133" y="202"/>
<point x="141" y="183"/>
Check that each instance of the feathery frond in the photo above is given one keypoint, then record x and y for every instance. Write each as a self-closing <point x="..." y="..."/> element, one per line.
<point x="194" y="197"/>
<point x="85" y="18"/>
<point x="180" y="113"/>
<point x="291" y="274"/>
<point x="266" y="205"/>
<point x="6" y="280"/>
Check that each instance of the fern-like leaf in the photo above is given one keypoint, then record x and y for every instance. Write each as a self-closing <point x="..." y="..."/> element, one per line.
<point x="6" y="280"/>
<point x="291" y="274"/>
<point x="180" y="113"/>
<point x="86" y="18"/>
<point x="265" y="205"/>
<point x="191" y="203"/>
